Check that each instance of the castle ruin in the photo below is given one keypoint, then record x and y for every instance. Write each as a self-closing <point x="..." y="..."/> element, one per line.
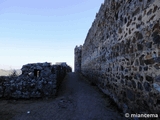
<point x="121" y="54"/>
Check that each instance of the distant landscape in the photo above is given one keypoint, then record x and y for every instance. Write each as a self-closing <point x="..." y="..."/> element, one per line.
<point x="9" y="72"/>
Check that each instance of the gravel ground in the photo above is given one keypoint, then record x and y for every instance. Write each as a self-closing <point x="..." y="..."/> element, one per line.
<point x="76" y="100"/>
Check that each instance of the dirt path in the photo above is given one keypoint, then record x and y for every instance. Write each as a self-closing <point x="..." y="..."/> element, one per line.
<point x="76" y="100"/>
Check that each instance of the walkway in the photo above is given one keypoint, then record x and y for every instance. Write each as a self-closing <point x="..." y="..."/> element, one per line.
<point x="76" y="100"/>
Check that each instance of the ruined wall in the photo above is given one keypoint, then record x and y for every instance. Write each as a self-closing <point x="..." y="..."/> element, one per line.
<point x="37" y="80"/>
<point x="121" y="53"/>
<point x="77" y="59"/>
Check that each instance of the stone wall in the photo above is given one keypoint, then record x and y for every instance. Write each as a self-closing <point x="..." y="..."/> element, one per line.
<point x="37" y="80"/>
<point x="77" y="59"/>
<point x="121" y="53"/>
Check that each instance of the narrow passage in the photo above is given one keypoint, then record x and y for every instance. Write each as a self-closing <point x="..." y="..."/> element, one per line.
<point x="76" y="100"/>
<point x="88" y="102"/>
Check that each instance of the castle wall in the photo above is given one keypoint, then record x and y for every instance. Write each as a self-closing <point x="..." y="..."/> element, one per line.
<point x="121" y="53"/>
<point x="36" y="81"/>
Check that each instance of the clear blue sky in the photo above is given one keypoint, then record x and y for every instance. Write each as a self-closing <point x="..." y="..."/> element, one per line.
<point x="34" y="31"/>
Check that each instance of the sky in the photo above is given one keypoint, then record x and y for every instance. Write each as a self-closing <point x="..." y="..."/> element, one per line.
<point x="34" y="31"/>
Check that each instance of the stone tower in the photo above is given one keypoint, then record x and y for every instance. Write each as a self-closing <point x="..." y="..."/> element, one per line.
<point x="77" y="59"/>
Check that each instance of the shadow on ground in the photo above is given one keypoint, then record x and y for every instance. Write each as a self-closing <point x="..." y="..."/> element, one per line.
<point x="77" y="100"/>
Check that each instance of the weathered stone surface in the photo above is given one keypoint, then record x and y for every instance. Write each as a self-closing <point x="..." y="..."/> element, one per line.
<point x="145" y="68"/>
<point x="130" y="95"/>
<point x="156" y="38"/>
<point x="149" y="61"/>
<point x="149" y="44"/>
<point x="149" y="78"/>
<point x="157" y="59"/>
<point x="121" y="52"/>
<point x="77" y="62"/>
<point x="156" y="86"/>
<point x="140" y="86"/>
<point x="37" y="80"/>
<point x="133" y="84"/>
<point x="157" y="78"/>
<point x="147" y="86"/>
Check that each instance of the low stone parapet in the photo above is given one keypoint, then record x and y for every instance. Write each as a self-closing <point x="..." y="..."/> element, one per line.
<point x="37" y="80"/>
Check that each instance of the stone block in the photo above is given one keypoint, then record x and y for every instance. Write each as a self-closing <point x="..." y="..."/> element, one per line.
<point x="149" y="61"/>
<point x="157" y="79"/>
<point x="130" y="95"/>
<point x="156" y="38"/>
<point x="156" y="86"/>
<point x="140" y="87"/>
<point x="149" y="44"/>
<point x="147" y="86"/>
<point x="149" y="78"/>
